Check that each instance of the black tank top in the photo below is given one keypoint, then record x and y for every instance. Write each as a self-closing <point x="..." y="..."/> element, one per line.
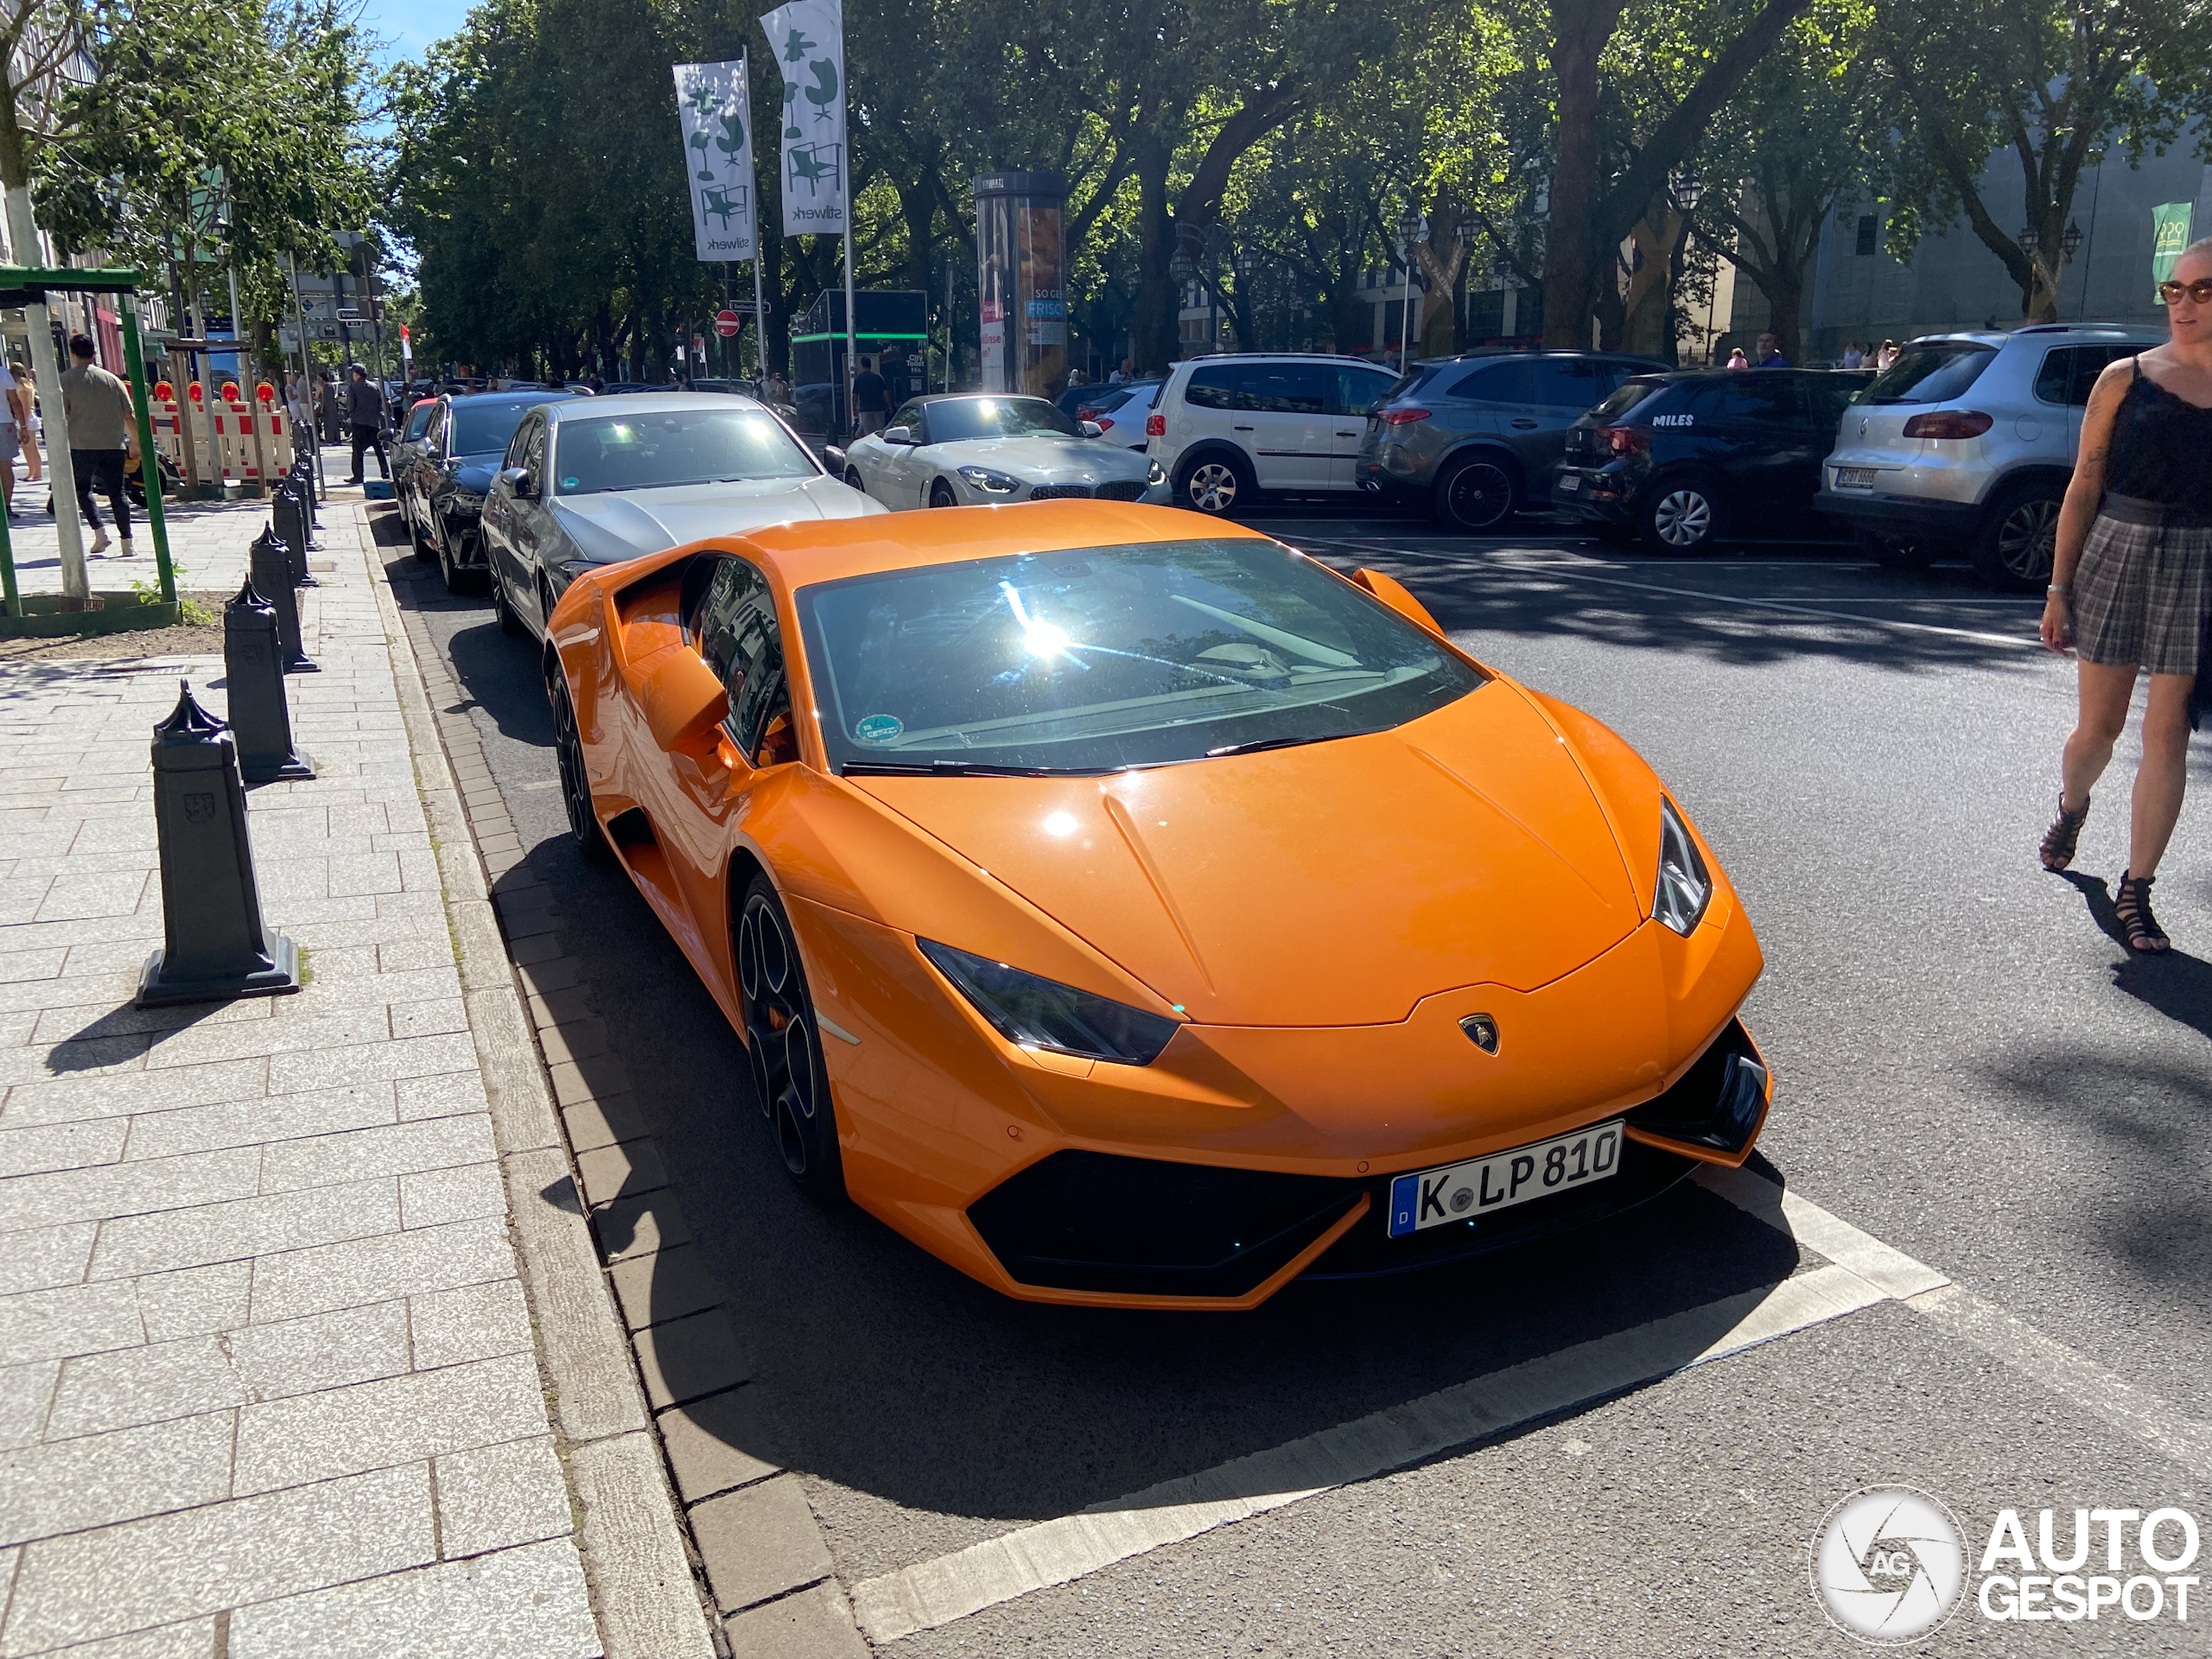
<point x="2161" y="447"/>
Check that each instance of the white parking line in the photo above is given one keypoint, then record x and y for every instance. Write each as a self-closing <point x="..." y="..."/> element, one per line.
<point x="1788" y="607"/>
<point x="1863" y="1273"/>
<point x="936" y="1592"/>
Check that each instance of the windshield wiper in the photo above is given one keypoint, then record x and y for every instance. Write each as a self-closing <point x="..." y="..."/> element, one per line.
<point x="963" y="769"/>
<point x="1258" y="744"/>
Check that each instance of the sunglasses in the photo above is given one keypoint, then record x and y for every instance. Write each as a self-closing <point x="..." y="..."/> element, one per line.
<point x="2199" y="292"/>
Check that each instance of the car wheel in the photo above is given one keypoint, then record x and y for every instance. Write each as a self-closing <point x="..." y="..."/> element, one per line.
<point x="576" y="780"/>
<point x="2018" y="533"/>
<point x="941" y="495"/>
<point x="510" y="623"/>
<point x="1475" y="495"/>
<point x="422" y="543"/>
<point x="852" y="479"/>
<point x="1894" y="552"/>
<point x="782" y="1048"/>
<point x="1211" y="485"/>
<point x="1682" y="516"/>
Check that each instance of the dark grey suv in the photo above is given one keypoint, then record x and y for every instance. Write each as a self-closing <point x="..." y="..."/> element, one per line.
<point x="1476" y="438"/>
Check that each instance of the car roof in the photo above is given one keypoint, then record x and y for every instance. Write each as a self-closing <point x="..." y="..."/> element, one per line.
<point x="655" y="402"/>
<point x="522" y="395"/>
<point x="929" y="398"/>
<point x="1277" y="357"/>
<point x="813" y="551"/>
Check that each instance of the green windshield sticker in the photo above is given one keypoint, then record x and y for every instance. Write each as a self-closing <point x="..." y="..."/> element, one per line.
<point x="570" y="483"/>
<point x="878" y="728"/>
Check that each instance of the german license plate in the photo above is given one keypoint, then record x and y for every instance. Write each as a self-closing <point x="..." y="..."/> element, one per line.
<point x="1854" y="478"/>
<point x="1570" y="482"/>
<point x="1432" y="1198"/>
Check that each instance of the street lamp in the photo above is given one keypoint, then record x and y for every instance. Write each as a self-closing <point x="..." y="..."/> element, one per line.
<point x="2031" y="240"/>
<point x="1409" y="224"/>
<point x="2071" y="242"/>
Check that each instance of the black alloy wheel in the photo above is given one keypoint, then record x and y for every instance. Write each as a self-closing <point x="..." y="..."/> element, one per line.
<point x="852" y="479"/>
<point x="2018" y="538"/>
<point x="1210" y="485"/>
<point x="424" y="548"/>
<point x="510" y="623"/>
<point x="783" y="1050"/>
<point x="1475" y="496"/>
<point x="941" y="495"/>
<point x="576" y="779"/>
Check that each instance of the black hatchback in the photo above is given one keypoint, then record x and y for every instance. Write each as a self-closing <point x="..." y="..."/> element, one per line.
<point x="1682" y="459"/>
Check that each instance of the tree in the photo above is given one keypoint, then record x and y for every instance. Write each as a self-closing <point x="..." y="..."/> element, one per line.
<point x="2055" y="85"/>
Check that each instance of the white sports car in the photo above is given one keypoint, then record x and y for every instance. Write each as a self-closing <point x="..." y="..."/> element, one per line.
<point x="969" y="449"/>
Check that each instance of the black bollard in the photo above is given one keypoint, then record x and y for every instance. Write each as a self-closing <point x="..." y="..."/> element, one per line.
<point x="254" y="672"/>
<point x="214" y="944"/>
<point x="288" y="516"/>
<point x="303" y="469"/>
<point x="269" y="569"/>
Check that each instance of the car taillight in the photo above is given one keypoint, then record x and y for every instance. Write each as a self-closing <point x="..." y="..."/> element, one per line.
<point x="1155" y="426"/>
<point x="1103" y="423"/>
<point x="1627" y="440"/>
<point x="1400" y="417"/>
<point x="1952" y="423"/>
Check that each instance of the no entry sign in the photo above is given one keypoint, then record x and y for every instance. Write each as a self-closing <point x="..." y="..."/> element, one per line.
<point x="725" y="324"/>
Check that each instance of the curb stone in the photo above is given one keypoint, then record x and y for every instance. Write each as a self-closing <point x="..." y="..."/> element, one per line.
<point x="645" y="1591"/>
<point x="748" y="1525"/>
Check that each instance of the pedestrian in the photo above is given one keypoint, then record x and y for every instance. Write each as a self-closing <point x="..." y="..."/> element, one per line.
<point x="364" y="415"/>
<point x="1770" y="355"/>
<point x="1853" y="358"/>
<point x="2131" y="575"/>
<point x="325" y="406"/>
<point x="1126" y="372"/>
<point x="871" y="400"/>
<point x="14" y="404"/>
<point x="1737" y="359"/>
<point x="780" y="390"/>
<point x="1886" y="356"/>
<point x="98" y="418"/>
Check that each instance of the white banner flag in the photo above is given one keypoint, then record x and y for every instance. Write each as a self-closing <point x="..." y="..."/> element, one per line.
<point x="713" y="104"/>
<point x="808" y="39"/>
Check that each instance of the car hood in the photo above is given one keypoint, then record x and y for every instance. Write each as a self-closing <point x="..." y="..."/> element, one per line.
<point x="612" y="526"/>
<point x="1334" y="884"/>
<point x="1045" y="459"/>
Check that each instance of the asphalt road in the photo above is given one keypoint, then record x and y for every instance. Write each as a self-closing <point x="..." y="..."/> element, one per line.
<point x="1970" y="1069"/>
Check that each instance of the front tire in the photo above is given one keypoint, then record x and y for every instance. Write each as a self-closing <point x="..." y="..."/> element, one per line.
<point x="1476" y="496"/>
<point x="2019" y="536"/>
<point x="576" y="776"/>
<point x="852" y="479"/>
<point x="1680" y="515"/>
<point x="941" y="495"/>
<point x="510" y="623"/>
<point x="1212" y="485"/>
<point x="783" y="1050"/>
<point x="416" y="539"/>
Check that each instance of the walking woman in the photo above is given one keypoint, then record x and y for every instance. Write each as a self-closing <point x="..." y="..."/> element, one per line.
<point x="2131" y="579"/>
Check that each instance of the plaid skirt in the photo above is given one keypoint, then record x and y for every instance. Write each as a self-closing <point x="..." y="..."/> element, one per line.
<point x="2139" y="595"/>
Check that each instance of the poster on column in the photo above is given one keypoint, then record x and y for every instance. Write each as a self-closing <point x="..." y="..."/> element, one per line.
<point x="713" y="104"/>
<point x="808" y="40"/>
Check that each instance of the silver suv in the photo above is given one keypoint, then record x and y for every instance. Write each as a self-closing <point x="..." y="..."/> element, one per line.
<point x="1967" y="444"/>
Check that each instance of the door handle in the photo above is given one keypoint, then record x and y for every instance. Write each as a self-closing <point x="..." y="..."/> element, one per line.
<point x="1525" y="424"/>
<point x="1240" y="429"/>
<point x="1352" y="433"/>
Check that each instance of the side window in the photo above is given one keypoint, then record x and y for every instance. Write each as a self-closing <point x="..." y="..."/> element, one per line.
<point x="518" y="446"/>
<point x="2090" y="361"/>
<point x="762" y="693"/>
<point x="2055" y="379"/>
<point x="735" y="586"/>
<point x="1213" y="387"/>
<point x="434" y="434"/>
<point x="910" y="417"/>
<point x="1829" y="398"/>
<point x="1567" y="382"/>
<point x="1281" y="389"/>
<point x="1359" y="390"/>
<point x="418" y="420"/>
<point x="1763" y="399"/>
<point x="1512" y="382"/>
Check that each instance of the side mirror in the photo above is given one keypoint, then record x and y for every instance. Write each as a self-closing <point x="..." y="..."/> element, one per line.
<point x="517" y="480"/>
<point x="833" y="457"/>
<point x="1092" y="429"/>
<point x="683" y="701"/>
<point x="1393" y="593"/>
<point x="900" y="435"/>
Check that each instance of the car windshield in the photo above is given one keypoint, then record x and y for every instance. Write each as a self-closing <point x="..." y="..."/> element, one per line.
<point x="677" y="446"/>
<point x="996" y="417"/>
<point x="479" y="428"/>
<point x="1104" y="658"/>
<point x="1625" y="396"/>
<point x="1933" y="373"/>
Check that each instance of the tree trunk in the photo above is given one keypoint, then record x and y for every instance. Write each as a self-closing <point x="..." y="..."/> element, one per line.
<point x="1156" y="327"/>
<point x="1580" y="31"/>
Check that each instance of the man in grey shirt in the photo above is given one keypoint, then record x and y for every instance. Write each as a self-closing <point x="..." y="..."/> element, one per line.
<point x="363" y="405"/>
<point x="96" y="408"/>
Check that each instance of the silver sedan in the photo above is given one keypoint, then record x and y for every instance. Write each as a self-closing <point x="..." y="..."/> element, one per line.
<point x="967" y="449"/>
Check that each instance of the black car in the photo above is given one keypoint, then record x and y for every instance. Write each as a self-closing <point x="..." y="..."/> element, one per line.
<point x="1475" y="438"/>
<point x="1683" y="459"/>
<point x="448" y="471"/>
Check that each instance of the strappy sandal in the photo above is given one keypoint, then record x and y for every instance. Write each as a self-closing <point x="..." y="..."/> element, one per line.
<point x="2131" y="903"/>
<point x="2065" y="832"/>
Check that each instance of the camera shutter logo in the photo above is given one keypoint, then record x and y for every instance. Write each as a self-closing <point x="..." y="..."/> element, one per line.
<point x="1888" y="1565"/>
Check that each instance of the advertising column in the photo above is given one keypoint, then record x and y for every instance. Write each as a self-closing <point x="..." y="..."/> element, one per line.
<point x="1022" y="256"/>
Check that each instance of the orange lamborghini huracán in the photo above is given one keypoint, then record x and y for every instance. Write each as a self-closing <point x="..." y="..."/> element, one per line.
<point x="1130" y="910"/>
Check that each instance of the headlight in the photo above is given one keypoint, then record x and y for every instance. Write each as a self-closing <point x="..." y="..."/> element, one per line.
<point x="1038" y="1013"/>
<point x="1155" y="473"/>
<point x="985" y="478"/>
<point x="1685" y="888"/>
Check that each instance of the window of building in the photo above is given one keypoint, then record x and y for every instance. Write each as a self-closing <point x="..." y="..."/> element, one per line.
<point x="1869" y="235"/>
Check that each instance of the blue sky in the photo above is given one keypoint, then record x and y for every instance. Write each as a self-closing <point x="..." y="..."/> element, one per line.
<point x="410" y="25"/>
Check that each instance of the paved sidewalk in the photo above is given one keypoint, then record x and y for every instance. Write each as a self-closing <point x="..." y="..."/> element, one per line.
<point x="268" y="1380"/>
